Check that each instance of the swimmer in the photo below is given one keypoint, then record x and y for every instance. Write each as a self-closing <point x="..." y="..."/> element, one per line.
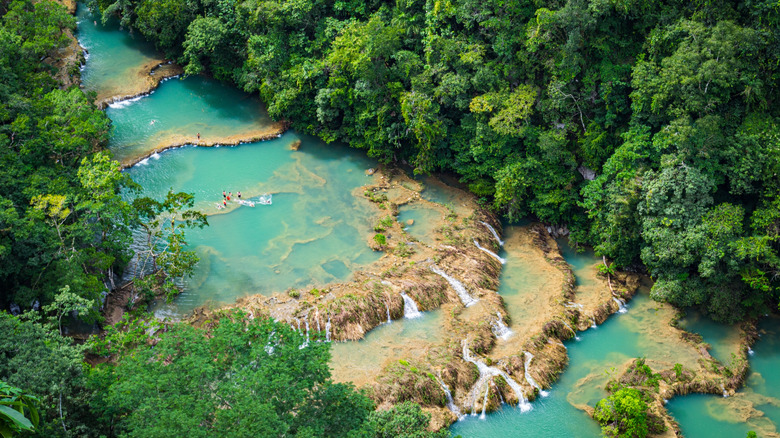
<point x="239" y="195"/>
<point x="199" y="136"/>
<point x="224" y="195"/>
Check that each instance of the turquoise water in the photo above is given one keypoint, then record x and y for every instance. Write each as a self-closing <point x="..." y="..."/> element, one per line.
<point x="723" y="339"/>
<point x="313" y="233"/>
<point x="599" y="355"/>
<point x="178" y="111"/>
<point x="114" y="55"/>
<point x="405" y="339"/>
<point x="425" y="223"/>
<point x="756" y="407"/>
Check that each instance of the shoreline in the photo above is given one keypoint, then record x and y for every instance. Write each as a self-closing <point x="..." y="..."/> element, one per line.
<point x="275" y="130"/>
<point x="434" y="293"/>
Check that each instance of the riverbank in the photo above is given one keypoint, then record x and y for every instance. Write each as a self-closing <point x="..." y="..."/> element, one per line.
<point x="454" y="266"/>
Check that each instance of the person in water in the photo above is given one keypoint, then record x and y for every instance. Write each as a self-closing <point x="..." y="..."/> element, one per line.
<point x="224" y="195"/>
<point x="199" y="136"/>
<point x="239" y="195"/>
<point x="224" y="203"/>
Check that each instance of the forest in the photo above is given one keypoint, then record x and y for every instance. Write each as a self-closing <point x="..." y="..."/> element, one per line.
<point x="649" y="129"/>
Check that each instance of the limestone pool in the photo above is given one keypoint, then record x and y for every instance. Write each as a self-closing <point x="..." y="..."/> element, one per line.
<point x="314" y="232"/>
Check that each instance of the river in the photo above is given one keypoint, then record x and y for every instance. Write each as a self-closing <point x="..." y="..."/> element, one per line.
<point x="314" y="233"/>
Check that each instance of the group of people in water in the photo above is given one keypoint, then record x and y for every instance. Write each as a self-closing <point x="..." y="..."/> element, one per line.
<point x="226" y="197"/>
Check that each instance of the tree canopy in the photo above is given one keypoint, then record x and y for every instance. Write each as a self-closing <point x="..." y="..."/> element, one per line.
<point x="579" y="112"/>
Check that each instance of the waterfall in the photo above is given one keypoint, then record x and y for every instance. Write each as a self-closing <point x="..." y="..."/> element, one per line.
<point x="493" y="230"/>
<point x="486" y="373"/>
<point x="389" y="320"/>
<point x="528" y="358"/>
<point x="593" y="323"/>
<point x="410" y="308"/>
<point x="306" y="342"/>
<point x="317" y="318"/>
<point x="576" y="338"/>
<point x="465" y="298"/>
<point x="450" y="402"/>
<point x="499" y="328"/>
<point x="484" y="401"/>
<point x="327" y="329"/>
<point x="750" y="351"/>
<point x="621" y="305"/>
<point x="725" y="394"/>
<point x="496" y="256"/>
<point x="573" y="305"/>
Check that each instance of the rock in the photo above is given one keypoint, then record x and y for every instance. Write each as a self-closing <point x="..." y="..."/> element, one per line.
<point x="586" y="173"/>
<point x="410" y="222"/>
<point x="294" y="146"/>
<point x="15" y="310"/>
<point x="370" y="171"/>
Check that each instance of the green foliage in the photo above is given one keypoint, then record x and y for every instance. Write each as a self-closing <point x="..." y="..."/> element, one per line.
<point x="62" y="221"/>
<point x="164" y="255"/>
<point x="623" y="414"/>
<point x="18" y="411"/>
<point x="405" y="420"/>
<point x="666" y="108"/>
<point x="47" y="366"/>
<point x="380" y="239"/>
<point x="246" y="376"/>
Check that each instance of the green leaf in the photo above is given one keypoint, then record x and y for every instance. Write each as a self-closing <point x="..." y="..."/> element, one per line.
<point x="16" y="417"/>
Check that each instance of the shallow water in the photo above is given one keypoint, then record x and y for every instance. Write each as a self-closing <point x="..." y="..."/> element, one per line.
<point x="180" y="109"/>
<point x="114" y="56"/>
<point x="403" y="339"/>
<point x="723" y="339"/>
<point x="313" y="233"/>
<point x="426" y="220"/>
<point x="755" y="407"/>
<point x="599" y="355"/>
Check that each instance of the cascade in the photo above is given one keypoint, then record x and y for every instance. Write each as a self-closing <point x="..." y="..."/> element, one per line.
<point x="410" y="308"/>
<point x="499" y="328"/>
<point x="494" y="255"/>
<point x="327" y="329"/>
<point x="621" y="305"/>
<point x="450" y="402"/>
<point x="593" y="323"/>
<point x="306" y="342"/>
<point x="528" y="358"/>
<point x="465" y="298"/>
<point x="493" y="230"/>
<point x="317" y="318"/>
<point x="486" y="373"/>
<point x="484" y="401"/>
<point x="750" y="351"/>
<point x="389" y="320"/>
<point x="576" y="338"/>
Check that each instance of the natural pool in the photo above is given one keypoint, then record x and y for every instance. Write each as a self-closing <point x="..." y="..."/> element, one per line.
<point x="178" y="111"/>
<point x="313" y="232"/>
<point x="755" y="407"/>
<point x="115" y="57"/>
<point x="403" y="339"/>
<point x="597" y="356"/>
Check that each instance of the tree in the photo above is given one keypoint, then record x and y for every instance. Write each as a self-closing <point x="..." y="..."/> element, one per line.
<point x="164" y="255"/>
<point x="623" y="414"/>
<point x="243" y="377"/>
<point x="43" y="364"/>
